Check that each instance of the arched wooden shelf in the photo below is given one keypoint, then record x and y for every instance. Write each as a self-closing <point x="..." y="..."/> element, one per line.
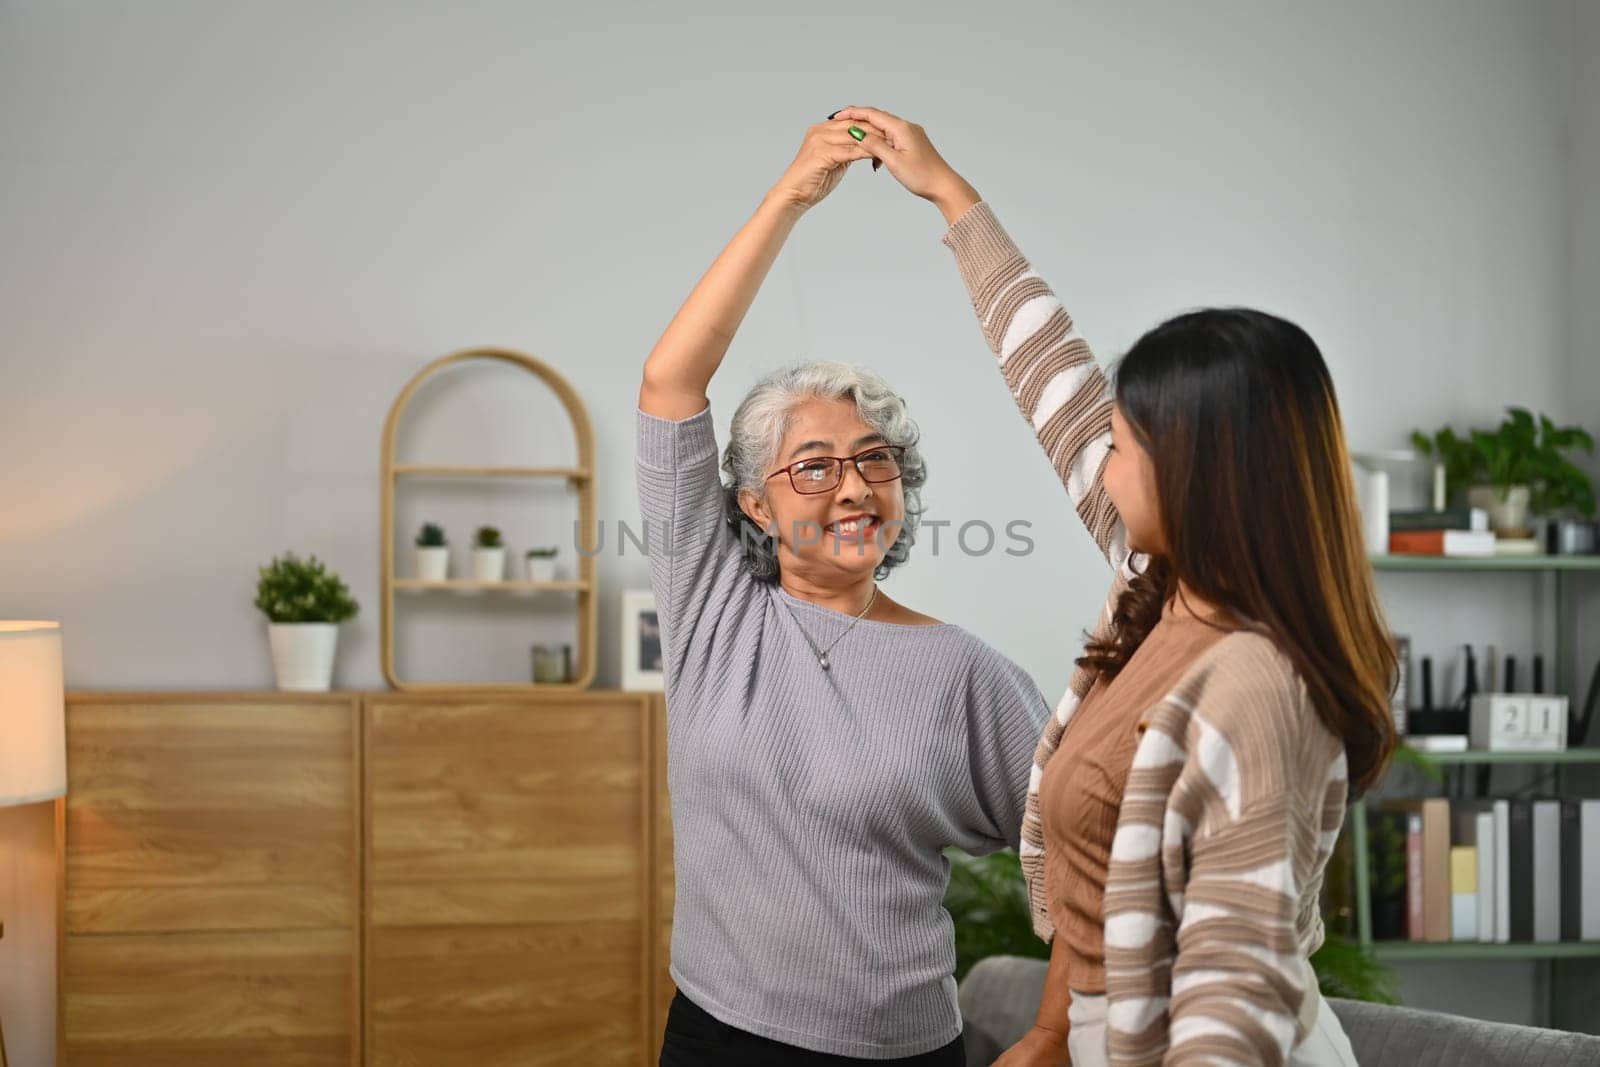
<point x="581" y="478"/>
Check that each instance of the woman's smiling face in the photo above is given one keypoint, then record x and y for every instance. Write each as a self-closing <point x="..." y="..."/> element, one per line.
<point x="840" y="535"/>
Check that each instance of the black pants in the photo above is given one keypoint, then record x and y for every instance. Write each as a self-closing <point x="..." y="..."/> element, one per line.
<point x="696" y="1039"/>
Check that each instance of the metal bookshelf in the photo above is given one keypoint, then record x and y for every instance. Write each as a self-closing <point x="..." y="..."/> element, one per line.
<point x="1565" y="571"/>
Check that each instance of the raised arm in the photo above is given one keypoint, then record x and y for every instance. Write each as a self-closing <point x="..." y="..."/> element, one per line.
<point x="683" y="362"/>
<point x="1049" y="367"/>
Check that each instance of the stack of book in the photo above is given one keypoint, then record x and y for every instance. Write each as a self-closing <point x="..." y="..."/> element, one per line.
<point x="1456" y="532"/>
<point x="1488" y="871"/>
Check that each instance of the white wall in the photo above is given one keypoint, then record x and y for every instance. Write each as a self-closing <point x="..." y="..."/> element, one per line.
<point x="229" y="233"/>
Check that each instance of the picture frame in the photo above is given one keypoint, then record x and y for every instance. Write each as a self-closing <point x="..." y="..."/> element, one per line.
<point x="642" y="666"/>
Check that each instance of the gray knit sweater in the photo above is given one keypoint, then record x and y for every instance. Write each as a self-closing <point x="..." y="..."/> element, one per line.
<point x="810" y="807"/>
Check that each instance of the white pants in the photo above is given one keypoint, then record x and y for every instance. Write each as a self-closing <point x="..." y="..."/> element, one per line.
<point x="1325" y="1046"/>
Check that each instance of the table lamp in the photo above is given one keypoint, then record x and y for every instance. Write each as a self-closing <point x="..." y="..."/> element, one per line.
<point x="33" y="743"/>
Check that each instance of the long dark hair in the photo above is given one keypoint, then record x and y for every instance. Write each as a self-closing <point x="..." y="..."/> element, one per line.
<point x="1237" y="411"/>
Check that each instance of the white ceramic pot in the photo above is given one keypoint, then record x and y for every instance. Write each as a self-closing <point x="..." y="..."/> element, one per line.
<point x="302" y="654"/>
<point x="541" y="569"/>
<point x="433" y="564"/>
<point x="1507" y="508"/>
<point x="489" y="564"/>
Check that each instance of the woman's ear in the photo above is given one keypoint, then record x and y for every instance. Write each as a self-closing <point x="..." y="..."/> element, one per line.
<point x="754" y="505"/>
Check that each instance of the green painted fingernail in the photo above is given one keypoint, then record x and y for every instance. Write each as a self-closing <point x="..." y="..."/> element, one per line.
<point x="857" y="132"/>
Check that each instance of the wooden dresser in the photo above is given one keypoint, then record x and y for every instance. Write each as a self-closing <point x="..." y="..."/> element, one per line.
<point x="353" y="878"/>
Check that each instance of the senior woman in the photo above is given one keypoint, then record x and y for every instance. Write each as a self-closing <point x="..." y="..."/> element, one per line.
<point x="825" y="742"/>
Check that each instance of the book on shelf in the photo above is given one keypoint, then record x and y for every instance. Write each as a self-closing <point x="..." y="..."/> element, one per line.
<point x="1475" y="519"/>
<point x="1466" y="544"/>
<point x="1589" y="869"/>
<point x="1474" y="830"/>
<point x="1519" y="862"/>
<point x="1400" y="698"/>
<point x="1571" y="870"/>
<point x="1463" y="893"/>
<point x="1487" y="871"/>
<point x="1501" y="813"/>
<point x="1436" y="868"/>
<point x="1416" y="908"/>
<point x="1547" y="870"/>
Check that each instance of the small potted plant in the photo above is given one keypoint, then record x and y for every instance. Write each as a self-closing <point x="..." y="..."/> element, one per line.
<point x="542" y="564"/>
<point x="433" y="553"/>
<point x="488" y="555"/>
<point x="304" y="603"/>
<point x="1497" y="468"/>
<point x="1518" y="471"/>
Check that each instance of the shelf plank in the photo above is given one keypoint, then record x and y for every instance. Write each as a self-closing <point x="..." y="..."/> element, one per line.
<point x="468" y="585"/>
<point x="1492" y="563"/>
<point x="444" y="470"/>
<point x="1403" y="951"/>
<point x="1571" y="755"/>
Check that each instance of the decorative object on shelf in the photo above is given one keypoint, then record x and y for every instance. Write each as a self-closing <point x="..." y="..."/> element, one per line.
<point x="541" y="564"/>
<point x="488" y="556"/>
<point x="1519" y="722"/>
<point x="1372" y="485"/>
<point x="641" y="642"/>
<point x="1518" y="468"/>
<point x="1571" y="536"/>
<point x="433" y="553"/>
<point x="304" y="603"/>
<point x="552" y="664"/>
<point x="579" y="478"/>
<point x="33" y="744"/>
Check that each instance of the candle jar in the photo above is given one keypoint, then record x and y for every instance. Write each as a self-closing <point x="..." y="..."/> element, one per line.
<point x="552" y="664"/>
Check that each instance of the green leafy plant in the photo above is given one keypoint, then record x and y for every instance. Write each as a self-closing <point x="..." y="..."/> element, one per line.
<point x="1561" y="486"/>
<point x="488" y="537"/>
<point x="1459" y="456"/>
<point x="290" y="589"/>
<point x="431" y="536"/>
<point x="1508" y="456"/>
<point x="1417" y="760"/>
<point x="542" y="553"/>
<point x="1524" y="450"/>
<point x="1345" y="969"/>
<point x="988" y="900"/>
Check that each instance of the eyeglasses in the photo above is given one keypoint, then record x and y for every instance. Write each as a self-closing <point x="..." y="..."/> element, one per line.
<point x="822" y="474"/>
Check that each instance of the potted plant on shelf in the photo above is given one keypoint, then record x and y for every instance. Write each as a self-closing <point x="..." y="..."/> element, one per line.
<point x="1502" y="469"/>
<point x="433" y="553"/>
<point x="488" y="555"/>
<point x="304" y="603"/>
<point x="1563" y="494"/>
<point x="542" y="564"/>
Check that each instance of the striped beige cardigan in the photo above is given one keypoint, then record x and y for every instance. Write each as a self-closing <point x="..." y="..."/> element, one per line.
<point x="1237" y="790"/>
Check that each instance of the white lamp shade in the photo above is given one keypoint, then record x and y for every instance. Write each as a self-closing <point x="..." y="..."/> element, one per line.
<point x="33" y="722"/>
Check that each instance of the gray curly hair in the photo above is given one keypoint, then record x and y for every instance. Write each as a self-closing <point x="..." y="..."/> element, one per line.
<point x="761" y="421"/>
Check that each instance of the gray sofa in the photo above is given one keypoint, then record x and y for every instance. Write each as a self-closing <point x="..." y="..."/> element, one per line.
<point x="1001" y="994"/>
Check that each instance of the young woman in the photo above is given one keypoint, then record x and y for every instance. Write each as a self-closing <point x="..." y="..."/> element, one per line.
<point x="825" y="742"/>
<point x="1194" y="778"/>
